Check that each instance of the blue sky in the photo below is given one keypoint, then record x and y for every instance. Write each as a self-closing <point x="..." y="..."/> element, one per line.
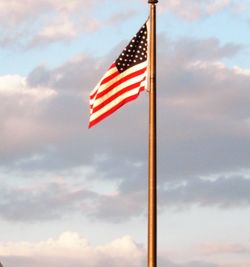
<point x="74" y="196"/>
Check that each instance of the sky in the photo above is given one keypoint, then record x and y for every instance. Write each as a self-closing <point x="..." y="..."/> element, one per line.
<point x="73" y="196"/>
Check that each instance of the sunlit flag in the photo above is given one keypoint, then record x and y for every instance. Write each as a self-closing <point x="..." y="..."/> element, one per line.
<point x="123" y="81"/>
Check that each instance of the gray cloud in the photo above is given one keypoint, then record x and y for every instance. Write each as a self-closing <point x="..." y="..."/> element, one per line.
<point x="121" y="207"/>
<point x="12" y="261"/>
<point x="71" y="76"/>
<point x="222" y="192"/>
<point x="203" y="118"/>
<point x="208" y="49"/>
<point x="53" y="200"/>
<point x="43" y="202"/>
<point x="168" y="263"/>
<point x="210" y="120"/>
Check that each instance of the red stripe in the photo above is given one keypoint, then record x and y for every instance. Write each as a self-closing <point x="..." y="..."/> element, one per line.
<point x="110" y="77"/>
<point x="117" y="94"/>
<point x="117" y="83"/>
<point x="112" y="110"/>
<point x="93" y="95"/>
<point x="112" y="66"/>
<point x="106" y="79"/>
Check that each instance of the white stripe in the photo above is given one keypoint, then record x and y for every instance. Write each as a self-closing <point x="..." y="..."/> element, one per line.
<point x="118" y="88"/>
<point x="123" y="74"/>
<point x="113" y="103"/>
<point x="108" y="73"/>
<point x="92" y="100"/>
<point x="94" y="91"/>
<point x="103" y="87"/>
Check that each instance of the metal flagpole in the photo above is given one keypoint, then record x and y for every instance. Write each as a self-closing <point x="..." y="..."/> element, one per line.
<point x="152" y="166"/>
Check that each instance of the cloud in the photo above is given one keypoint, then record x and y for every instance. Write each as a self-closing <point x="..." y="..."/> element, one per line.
<point x="203" y="118"/>
<point x="44" y="201"/>
<point x="122" y="16"/>
<point x="62" y="29"/>
<point x="208" y="49"/>
<point x="48" y="21"/>
<point x="71" y="249"/>
<point x="58" y="197"/>
<point x="201" y="112"/>
<point x="222" y="192"/>
<point x="45" y="21"/>
<point x="200" y="95"/>
<point x="212" y="248"/>
<point x="56" y="119"/>
<point x="21" y="106"/>
<point x="193" y="10"/>
<point x="17" y="86"/>
<point x="120" y="207"/>
<point x="73" y="75"/>
<point x="189" y="264"/>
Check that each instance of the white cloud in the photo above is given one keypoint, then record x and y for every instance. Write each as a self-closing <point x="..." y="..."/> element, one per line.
<point x="215" y="6"/>
<point x="211" y="248"/>
<point x="61" y="29"/>
<point x="68" y="243"/>
<point x="20" y="110"/>
<point x="17" y="86"/>
<point x="193" y="9"/>
<point x="240" y="71"/>
<point x="45" y="21"/>
<point x="49" y="21"/>
<point x="71" y="247"/>
<point x="17" y="11"/>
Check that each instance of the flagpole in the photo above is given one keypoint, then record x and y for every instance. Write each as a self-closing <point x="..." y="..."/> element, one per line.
<point x="152" y="160"/>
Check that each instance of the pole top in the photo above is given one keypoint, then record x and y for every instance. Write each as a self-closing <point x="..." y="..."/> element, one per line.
<point x="152" y="1"/>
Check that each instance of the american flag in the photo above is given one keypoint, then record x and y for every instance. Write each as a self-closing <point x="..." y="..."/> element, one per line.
<point x="123" y="81"/>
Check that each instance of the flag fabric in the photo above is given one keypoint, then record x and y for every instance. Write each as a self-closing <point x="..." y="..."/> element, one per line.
<point x="123" y="81"/>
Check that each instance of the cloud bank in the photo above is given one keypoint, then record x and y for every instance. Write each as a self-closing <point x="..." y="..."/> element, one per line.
<point x="48" y="21"/>
<point x="194" y="10"/>
<point x="203" y="130"/>
<point x="70" y="248"/>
